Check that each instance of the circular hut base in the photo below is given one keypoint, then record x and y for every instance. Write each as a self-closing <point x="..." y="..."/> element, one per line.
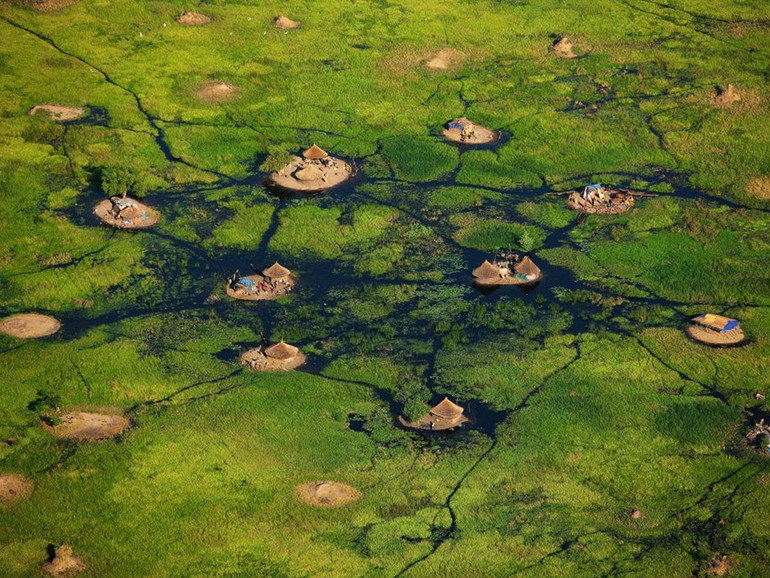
<point x="64" y="563"/>
<point x="193" y="19"/>
<point x="444" y="59"/>
<point x="608" y="209"/>
<point x="711" y="337"/>
<point x="103" y="210"/>
<point x="281" y="289"/>
<point x="291" y="177"/>
<point x="14" y="488"/>
<point x="91" y="427"/>
<point x="216" y="91"/>
<point x="58" y="112"/>
<point x="500" y="281"/>
<point x="256" y="360"/>
<point x="481" y="135"/>
<point x="29" y="325"/>
<point x="327" y="494"/>
<point x="433" y="423"/>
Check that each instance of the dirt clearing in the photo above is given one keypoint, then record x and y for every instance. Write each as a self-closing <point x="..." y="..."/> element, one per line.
<point x="29" y="325"/>
<point x="445" y="58"/>
<point x="193" y="19"/>
<point x="58" y="112"/>
<point x="216" y="91"/>
<point x="284" y="22"/>
<point x="14" y="488"/>
<point x="563" y="48"/>
<point x="64" y="563"/>
<point x="327" y="494"/>
<point x="90" y="427"/>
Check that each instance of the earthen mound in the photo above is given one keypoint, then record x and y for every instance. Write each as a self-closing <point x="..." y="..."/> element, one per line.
<point x="216" y="91"/>
<point x="444" y="59"/>
<point x="126" y="213"/>
<point x="29" y="325"/>
<point x="193" y="19"/>
<point x="563" y="48"/>
<point x="315" y="171"/>
<point x="58" y="111"/>
<point x="64" y="563"/>
<point x="278" y="357"/>
<point x="724" y="97"/>
<point x="14" y="488"/>
<point x="463" y="131"/>
<point x="327" y="494"/>
<point x="711" y="337"/>
<point x="85" y="426"/>
<point x="284" y="22"/>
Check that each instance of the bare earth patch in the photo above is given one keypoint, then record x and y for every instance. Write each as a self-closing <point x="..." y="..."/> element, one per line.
<point x="283" y="22"/>
<point x="29" y="325"/>
<point x="216" y="91"/>
<point x="14" y="488"/>
<point x="64" y="563"/>
<point x="720" y="566"/>
<point x="138" y="216"/>
<point x="759" y="187"/>
<point x="58" y="111"/>
<point x="257" y="360"/>
<point x="445" y="58"/>
<point x="92" y="427"/>
<point x="327" y="494"/>
<point x="724" y="97"/>
<point x="711" y="337"/>
<point x="477" y="135"/>
<point x="193" y="19"/>
<point x="563" y="48"/>
<point x="312" y="176"/>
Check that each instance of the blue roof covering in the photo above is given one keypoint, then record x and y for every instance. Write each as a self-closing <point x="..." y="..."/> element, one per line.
<point x="732" y="324"/>
<point x="595" y="186"/>
<point x="456" y="125"/>
<point x="246" y="282"/>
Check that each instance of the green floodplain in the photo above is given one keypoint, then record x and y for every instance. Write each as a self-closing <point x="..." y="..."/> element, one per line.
<point x="605" y="441"/>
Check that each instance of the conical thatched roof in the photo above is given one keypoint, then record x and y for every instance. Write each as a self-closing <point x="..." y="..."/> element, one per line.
<point x="526" y="267"/>
<point x="446" y="409"/>
<point x="276" y="271"/>
<point x="281" y="350"/>
<point x="315" y="153"/>
<point x="310" y="173"/>
<point x="486" y="270"/>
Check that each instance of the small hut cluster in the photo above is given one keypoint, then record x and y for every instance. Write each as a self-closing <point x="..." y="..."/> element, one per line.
<point x="278" y="357"/>
<point x="273" y="282"/>
<point x="600" y="200"/>
<point x="507" y="269"/>
<point x="125" y="213"/>
<point x="315" y="171"/>
<point x="758" y="438"/>
<point x="447" y="415"/>
<point x="463" y="131"/>
<point x="715" y="329"/>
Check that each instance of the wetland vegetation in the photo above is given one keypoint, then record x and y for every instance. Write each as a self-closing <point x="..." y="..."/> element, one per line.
<point x="602" y="440"/>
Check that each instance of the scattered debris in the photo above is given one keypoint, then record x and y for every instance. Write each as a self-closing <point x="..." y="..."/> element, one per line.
<point x="29" y="325"/>
<point x="507" y="269"/>
<point x="216" y="91"/>
<point x="327" y="494"/>
<point x="758" y="437"/>
<point x="563" y="48"/>
<point x="444" y="416"/>
<point x="278" y="357"/>
<point x="596" y="199"/>
<point x="58" y="112"/>
<point x="85" y="426"/>
<point x="464" y="131"/>
<point x="193" y="19"/>
<point x="715" y="330"/>
<point x="272" y="283"/>
<point x="283" y="22"/>
<point x="64" y="563"/>
<point x="315" y="171"/>
<point x="14" y="488"/>
<point x="126" y="213"/>
<point x="724" y="97"/>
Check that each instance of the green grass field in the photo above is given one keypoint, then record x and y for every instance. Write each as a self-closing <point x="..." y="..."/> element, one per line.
<point x="592" y="401"/>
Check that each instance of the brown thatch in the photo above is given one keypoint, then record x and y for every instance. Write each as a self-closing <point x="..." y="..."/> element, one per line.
<point x="526" y="267"/>
<point x="446" y="409"/>
<point x="315" y="153"/>
<point x="310" y="173"/>
<point x="486" y="270"/>
<point x="281" y="350"/>
<point x="276" y="271"/>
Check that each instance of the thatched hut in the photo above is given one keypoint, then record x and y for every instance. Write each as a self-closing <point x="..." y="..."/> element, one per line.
<point x="276" y="271"/>
<point x="446" y="415"/>
<point x="511" y="270"/>
<point x="275" y="281"/>
<point x="715" y="329"/>
<point x="314" y="171"/>
<point x="463" y="131"/>
<point x="278" y="357"/>
<point x="596" y="199"/>
<point x="314" y="153"/>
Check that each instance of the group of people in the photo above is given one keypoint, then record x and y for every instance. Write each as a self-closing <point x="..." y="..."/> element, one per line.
<point x="266" y="285"/>
<point x="506" y="263"/>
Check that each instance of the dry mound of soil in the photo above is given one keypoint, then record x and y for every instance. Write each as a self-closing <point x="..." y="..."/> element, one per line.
<point x="444" y="59"/>
<point x="711" y="337"/>
<point x="14" y="488"/>
<point x="64" y="563"/>
<point x="216" y="91"/>
<point x="284" y="22"/>
<point x="327" y="494"/>
<point x="58" y="111"/>
<point x="29" y="325"/>
<point x="311" y="176"/>
<point x="85" y="426"/>
<point x="193" y="19"/>
<point x="759" y="187"/>
<point x="563" y="48"/>
<point x="478" y="135"/>
<point x="256" y="360"/>
<point x="139" y="216"/>
<point x="724" y="97"/>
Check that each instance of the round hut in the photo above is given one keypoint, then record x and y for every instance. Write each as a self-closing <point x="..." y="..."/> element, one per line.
<point x="507" y="270"/>
<point x="278" y="357"/>
<point x="126" y="213"/>
<point x="446" y="415"/>
<point x="463" y="131"/>
<point x="715" y="329"/>
<point x="29" y="325"/>
<point x="314" y="171"/>
<point x="275" y="281"/>
<point x="596" y="199"/>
